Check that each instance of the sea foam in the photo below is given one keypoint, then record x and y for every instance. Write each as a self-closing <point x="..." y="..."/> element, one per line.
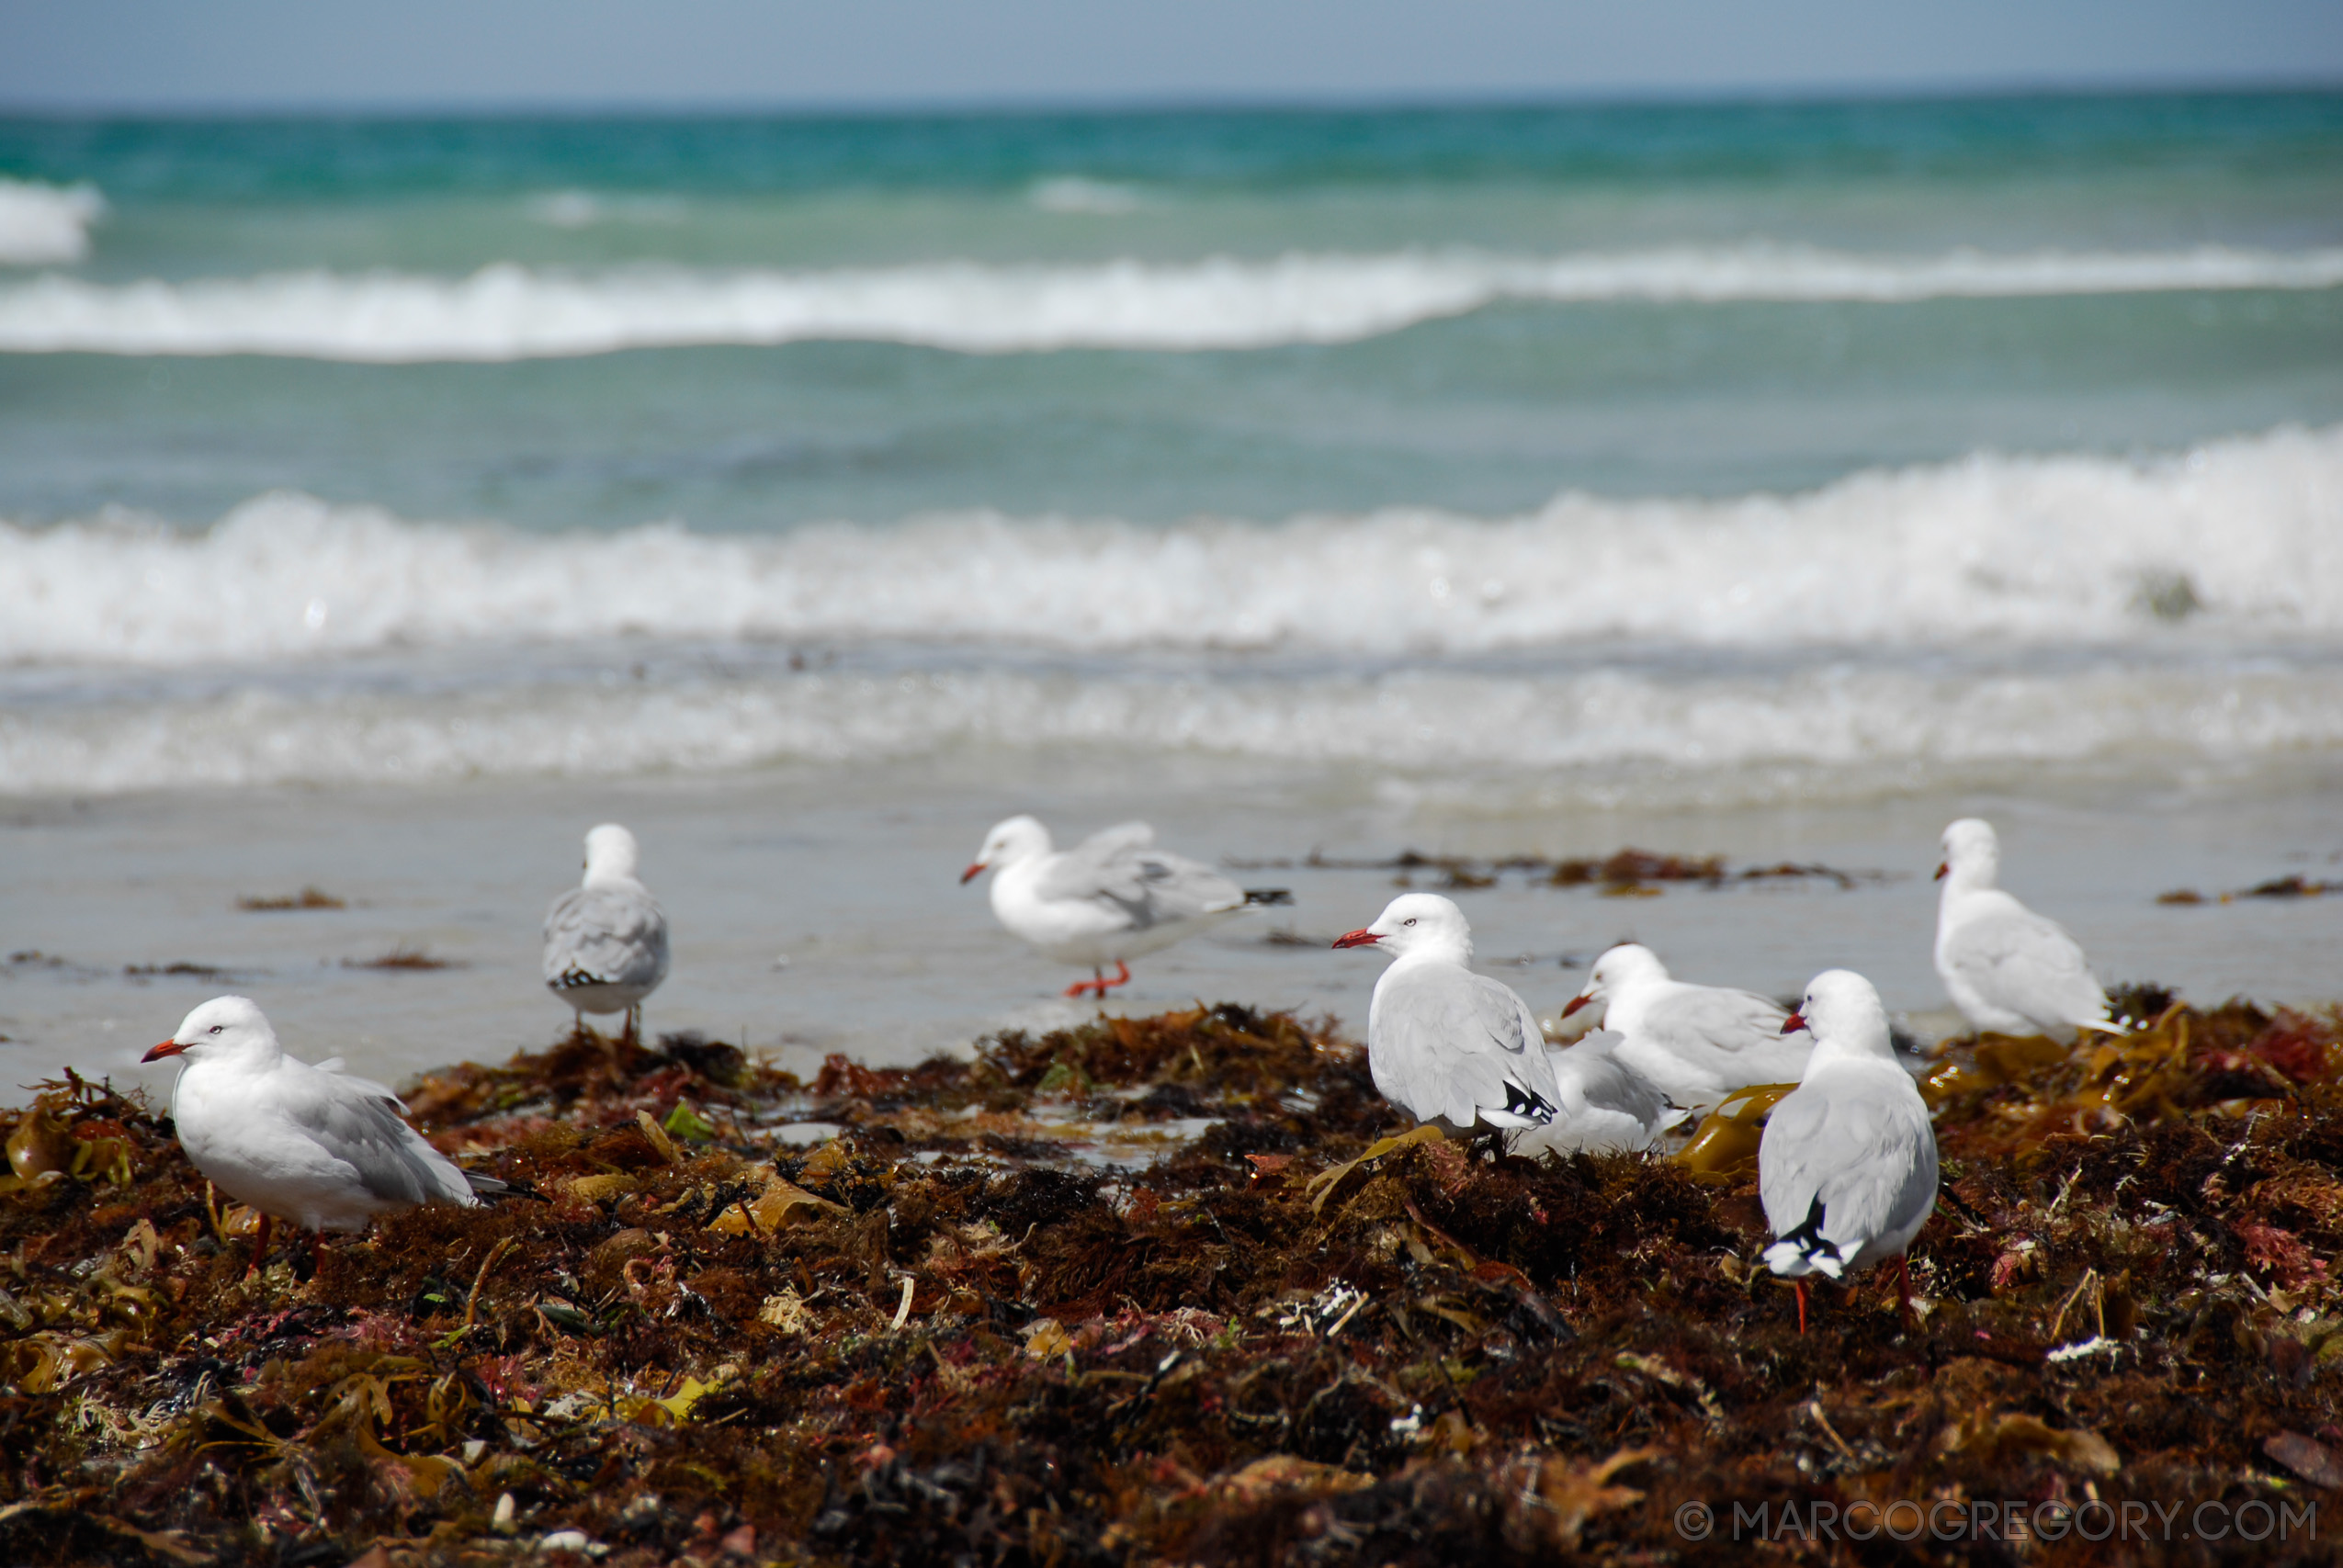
<point x="2237" y="539"/>
<point x="41" y="225"/>
<point x="506" y="311"/>
<point x="1830" y="730"/>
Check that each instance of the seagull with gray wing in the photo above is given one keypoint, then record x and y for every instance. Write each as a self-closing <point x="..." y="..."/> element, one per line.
<point x="311" y="1145"/>
<point x="605" y="940"/>
<point x="1847" y="1165"/>
<point x="2007" y="968"/>
<point x="1697" y="1043"/>
<point x="1109" y="899"/>
<point x="1464" y="1052"/>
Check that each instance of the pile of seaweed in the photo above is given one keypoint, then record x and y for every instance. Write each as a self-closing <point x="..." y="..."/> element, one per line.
<point x="1168" y="1290"/>
<point x="1627" y="873"/>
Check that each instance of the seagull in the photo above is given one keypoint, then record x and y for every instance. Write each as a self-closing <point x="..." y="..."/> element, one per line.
<point x="1464" y="1052"/>
<point x="605" y="940"/>
<point x="1695" y="1044"/>
<point x="311" y="1145"/>
<point x="1110" y="899"/>
<point x="1847" y="1165"/>
<point x="2007" y="969"/>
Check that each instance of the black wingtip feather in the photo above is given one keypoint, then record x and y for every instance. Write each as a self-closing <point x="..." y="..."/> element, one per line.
<point x="1807" y="1238"/>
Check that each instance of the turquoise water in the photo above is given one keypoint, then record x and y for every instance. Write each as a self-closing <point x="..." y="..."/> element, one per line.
<point x="1485" y="408"/>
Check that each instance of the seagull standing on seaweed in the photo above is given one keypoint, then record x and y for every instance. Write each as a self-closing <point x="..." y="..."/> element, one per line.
<point x="2007" y="968"/>
<point x="1847" y="1165"/>
<point x="1110" y="899"/>
<point x="605" y="940"/>
<point x="1463" y="1052"/>
<point x="311" y="1145"/>
<point x="1695" y="1044"/>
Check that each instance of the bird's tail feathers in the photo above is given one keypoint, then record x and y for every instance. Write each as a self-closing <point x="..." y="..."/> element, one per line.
<point x="1792" y="1259"/>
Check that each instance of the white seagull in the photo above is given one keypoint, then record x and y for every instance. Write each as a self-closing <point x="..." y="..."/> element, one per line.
<point x="2007" y="968"/>
<point x="1695" y="1044"/>
<point x="605" y="940"/>
<point x="1109" y="899"/>
<point x="1847" y="1165"/>
<point x="312" y="1146"/>
<point x="1464" y="1052"/>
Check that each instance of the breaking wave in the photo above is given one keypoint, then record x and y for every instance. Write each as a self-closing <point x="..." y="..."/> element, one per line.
<point x="1832" y="730"/>
<point x="507" y="312"/>
<point x="2241" y="538"/>
<point x="42" y="225"/>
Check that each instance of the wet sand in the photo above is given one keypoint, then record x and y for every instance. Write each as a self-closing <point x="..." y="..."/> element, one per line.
<point x="850" y="873"/>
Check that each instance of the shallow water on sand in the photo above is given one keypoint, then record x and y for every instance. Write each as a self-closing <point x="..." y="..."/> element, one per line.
<point x="816" y="910"/>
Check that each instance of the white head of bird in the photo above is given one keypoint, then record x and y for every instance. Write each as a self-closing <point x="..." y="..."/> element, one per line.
<point x="1416" y="925"/>
<point x="1971" y="855"/>
<point x="611" y="855"/>
<point x="1846" y="1017"/>
<point x="225" y="1029"/>
<point x="1628" y="964"/>
<point x="1011" y="841"/>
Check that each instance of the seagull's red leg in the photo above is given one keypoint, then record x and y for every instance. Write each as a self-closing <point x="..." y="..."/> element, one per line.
<point x="1800" y="1286"/>
<point x="259" y="1246"/>
<point x="1079" y="986"/>
<point x="1122" y="977"/>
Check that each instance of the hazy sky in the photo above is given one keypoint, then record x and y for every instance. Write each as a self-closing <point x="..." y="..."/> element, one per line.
<point x="263" y="54"/>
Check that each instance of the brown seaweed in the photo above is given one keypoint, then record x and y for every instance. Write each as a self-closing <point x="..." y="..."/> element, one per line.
<point x="952" y="1330"/>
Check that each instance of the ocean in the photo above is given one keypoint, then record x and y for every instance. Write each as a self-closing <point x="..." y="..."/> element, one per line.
<point x="385" y="501"/>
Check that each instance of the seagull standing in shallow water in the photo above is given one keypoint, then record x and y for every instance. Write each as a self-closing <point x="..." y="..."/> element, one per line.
<point x="1109" y="899"/>
<point x="2007" y="968"/>
<point x="1847" y="1165"/>
<point x="306" y="1145"/>
<point x="605" y="940"/>
<point x="1697" y="1043"/>
<point x="1464" y="1052"/>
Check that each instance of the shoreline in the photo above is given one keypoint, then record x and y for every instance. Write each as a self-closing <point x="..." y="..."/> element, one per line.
<point x="888" y="1313"/>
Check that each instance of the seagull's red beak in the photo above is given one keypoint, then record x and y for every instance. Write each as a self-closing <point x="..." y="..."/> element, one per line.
<point x="1357" y="938"/>
<point x="1944" y="869"/>
<point x="972" y="874"/>
<point x="1574" y="1003"/>
<point x="168" y="1048"/>
<point x="1794" y="1022"/>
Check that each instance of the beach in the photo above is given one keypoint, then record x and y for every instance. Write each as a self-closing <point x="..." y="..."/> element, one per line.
<point x="1644" y="521"/>
<point x="385" y="501"/>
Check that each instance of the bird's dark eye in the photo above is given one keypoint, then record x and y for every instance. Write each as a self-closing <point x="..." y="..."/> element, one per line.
<point x="218" y="1027"/>
<point x="1410" y="920"/>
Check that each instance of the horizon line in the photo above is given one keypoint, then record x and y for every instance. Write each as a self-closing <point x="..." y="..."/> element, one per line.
<point x="1172" y="103"/>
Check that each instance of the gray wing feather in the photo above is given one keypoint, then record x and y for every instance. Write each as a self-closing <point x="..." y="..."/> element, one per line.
<point x="1716" y="1018"/>
<point x="1608" y="1083"/>
<point x="611" y="936"/>
<point x="1454" y="1040"/>
<point x="1852" y="1146"/>
<point x="1119" y="865"/>
<point x="359" y="1124"/>
<point x="2029" y="964"/>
